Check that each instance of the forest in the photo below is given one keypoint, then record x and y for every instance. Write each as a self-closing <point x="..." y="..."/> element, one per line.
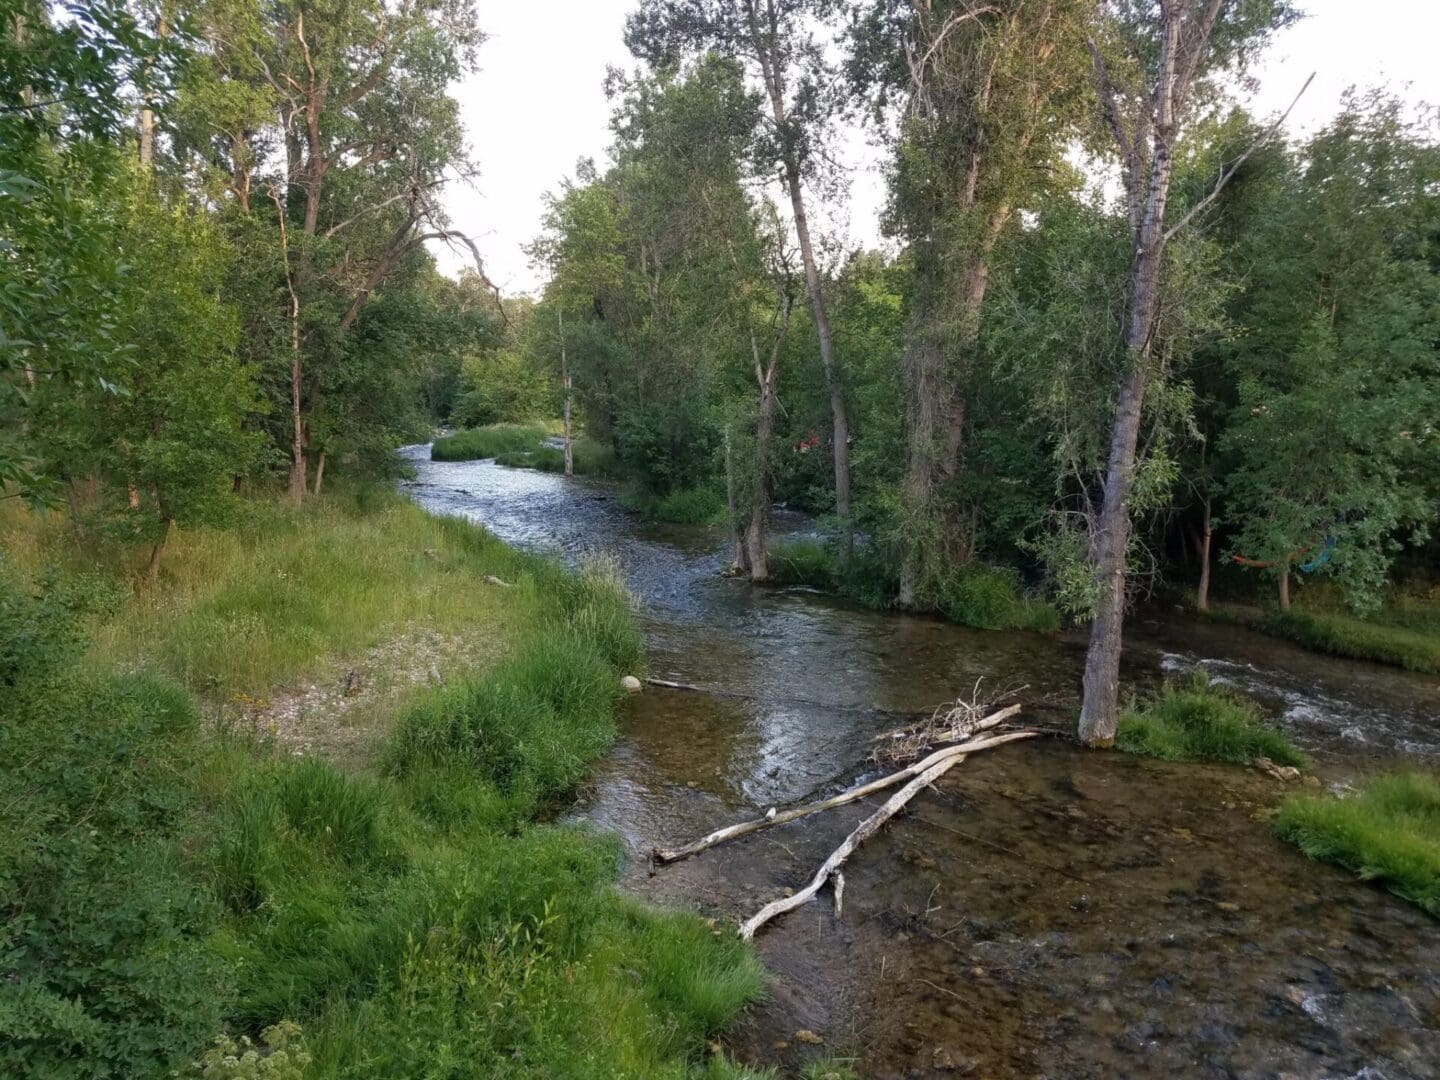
<point x="290" y="766"/>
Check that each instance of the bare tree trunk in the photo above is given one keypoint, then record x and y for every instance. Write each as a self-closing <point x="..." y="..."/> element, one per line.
<point x="565" y="384"/>
<point x="319" y="473"/>
<point x="299" y="471"/>
<point x="1202" y="594"/>
<point x="840" y="422"/>
<point x="146" y="124"/>
<point x="1285" y="586"/>
<point x="766" y="44"/>
<point x="755" y="548"/>
<point x="1110" y="533"/>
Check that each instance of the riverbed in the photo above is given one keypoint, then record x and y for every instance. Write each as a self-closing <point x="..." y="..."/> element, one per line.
<point x="1046" y="911"/>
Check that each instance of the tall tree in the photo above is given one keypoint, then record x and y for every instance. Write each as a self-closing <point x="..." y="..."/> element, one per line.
<point x="1149" y="59"/>
<point x="989" y="98"/>
<point x="775" y="39"/>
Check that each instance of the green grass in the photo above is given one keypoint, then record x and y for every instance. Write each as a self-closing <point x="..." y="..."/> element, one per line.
<point x="1388" y="831"/>
<point x="1346" y="635"/>
<point x="703" y="505"/>
<point x="417" y="919"/>
<point x="1194" y="719"/>
<point x="590" y="458"/>
<point x="475" y="444"/>
<point x="1404" y="633"/>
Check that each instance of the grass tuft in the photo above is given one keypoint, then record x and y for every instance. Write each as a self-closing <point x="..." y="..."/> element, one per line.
<point x="1195" y="719"/>
<point x="1388" y="831"/>
<point x="703" y="505"/>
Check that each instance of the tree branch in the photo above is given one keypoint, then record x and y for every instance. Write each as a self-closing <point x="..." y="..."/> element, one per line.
<point x="1227" y="174"/>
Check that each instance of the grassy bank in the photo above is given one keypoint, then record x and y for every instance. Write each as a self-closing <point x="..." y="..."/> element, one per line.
<point x="684" y="506"/>
<point x="1196" y="720"/>
<point x="1388" y="831"/>
<point x="413" y="916"/>
<point x="1405" y="633"/>
<point x="976" y="595"/>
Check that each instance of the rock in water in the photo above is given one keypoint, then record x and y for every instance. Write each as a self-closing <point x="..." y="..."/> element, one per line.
<point x="631" y="684"/>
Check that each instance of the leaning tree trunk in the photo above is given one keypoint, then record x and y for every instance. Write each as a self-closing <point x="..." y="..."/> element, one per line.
<point x="756" y="552"/>
<point x="1284" y="583"/>
<point x="1099" y="714"/>
<point x="739" y="558"/>
<point x="840" y="422"/>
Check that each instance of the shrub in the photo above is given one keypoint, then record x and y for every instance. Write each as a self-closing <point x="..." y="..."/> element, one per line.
<point x="1388" y="831"/>
<point x="1196" y="719"/>
<point x="104" y="969"/>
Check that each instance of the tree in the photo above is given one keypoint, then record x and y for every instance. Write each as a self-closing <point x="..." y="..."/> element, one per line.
<point x="988" y="101"/>
<point x="354" y="95"/>
<point x="1150" y="57"/>
<point x="1331" y="449"/>
<point x="774" y="39"/>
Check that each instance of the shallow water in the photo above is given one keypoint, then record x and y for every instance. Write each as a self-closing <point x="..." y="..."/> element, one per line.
<point x="1047" y="911"/>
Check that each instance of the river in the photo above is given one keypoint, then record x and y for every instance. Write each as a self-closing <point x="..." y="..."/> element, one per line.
<point x="1047" y="911"/>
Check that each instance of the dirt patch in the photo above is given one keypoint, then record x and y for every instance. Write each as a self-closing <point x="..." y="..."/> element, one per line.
<point x="344" y="715"/>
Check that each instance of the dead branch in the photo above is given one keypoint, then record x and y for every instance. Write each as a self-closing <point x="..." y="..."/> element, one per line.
<point x="774" y="817"/>
<point x="867" y="828"/>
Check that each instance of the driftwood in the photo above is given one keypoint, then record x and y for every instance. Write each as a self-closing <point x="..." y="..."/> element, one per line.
<point x="831" y="867"/>
<point x="781" y="817"/>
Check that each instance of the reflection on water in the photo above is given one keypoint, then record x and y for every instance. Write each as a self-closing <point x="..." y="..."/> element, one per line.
<point x="1048" y="911"/>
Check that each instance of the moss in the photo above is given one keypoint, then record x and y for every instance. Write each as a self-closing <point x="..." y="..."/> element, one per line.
<point x="1388" y="831"/>
<point x="1195" y="719"/>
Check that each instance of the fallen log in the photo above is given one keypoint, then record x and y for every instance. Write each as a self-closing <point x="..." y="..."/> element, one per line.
<point x="781" y="817"/>
<point x="863" y="831"/>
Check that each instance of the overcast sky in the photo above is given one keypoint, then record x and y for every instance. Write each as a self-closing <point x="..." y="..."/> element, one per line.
<point x="536" y="105"/>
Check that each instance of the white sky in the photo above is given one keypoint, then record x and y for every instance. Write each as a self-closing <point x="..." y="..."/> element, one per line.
<point x="536" y="105"/>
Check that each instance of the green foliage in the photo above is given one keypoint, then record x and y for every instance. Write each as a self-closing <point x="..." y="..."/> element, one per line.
<point x="280" y="1055"/>
<point x="104" y="967"/>
<point x="1387" y="831"/>
<point x="1195" y="719"/>
<point x="502" y="387"/>
<point x="488" y="442"/>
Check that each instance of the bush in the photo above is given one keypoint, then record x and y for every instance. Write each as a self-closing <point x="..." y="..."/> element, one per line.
<point x="488" y="442"/>
<point x="1195" y="719"/>
<point x="104" y="967"/>
<point x="1388" y="831"/>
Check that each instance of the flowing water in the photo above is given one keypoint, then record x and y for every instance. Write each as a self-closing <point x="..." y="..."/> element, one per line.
<point x="1047" y="911"/>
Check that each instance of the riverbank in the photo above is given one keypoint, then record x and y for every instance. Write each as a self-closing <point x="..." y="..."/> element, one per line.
<point x="187" y="866"/>
<point x="1405" y="635"/>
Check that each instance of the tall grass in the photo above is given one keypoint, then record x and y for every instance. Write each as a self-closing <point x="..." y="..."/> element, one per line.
<point x="1194" y="719"/>
<point x="1346" y="635"/>
<point x="488" y="442"/>
<point x="1388" y="831"/>
<point x="417" y="921"/>
<point x="704" y="505"/>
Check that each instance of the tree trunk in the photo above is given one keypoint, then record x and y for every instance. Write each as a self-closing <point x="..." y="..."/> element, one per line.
<point x="299" y="471"/>
<point x="1202" y="594"/>
<point x="1110" y="534"/>
<point x="755" y="548"/>
<point x="319" y="473"/>
<point x="1099" y="714"/>
<point x="565" y="384"/>
<point x="840" y="422"/>
<point x="1285" y="586"/>
<point x="152" y="572"/>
